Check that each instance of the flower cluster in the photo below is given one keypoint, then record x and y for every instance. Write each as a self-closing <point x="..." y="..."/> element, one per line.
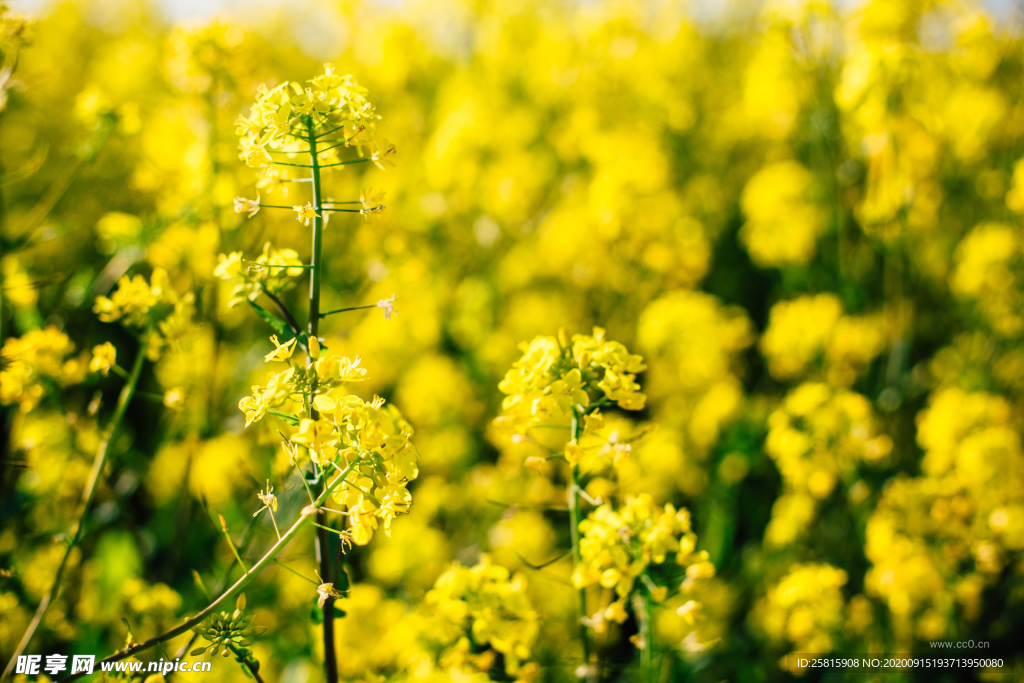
<point x="366" y="441"/>
<point x="556" y="375"/>
<point x="273" y="272"/>
<point x="802" y="331"/>
<point x="817" y="438"/>
<point x="293" y="113"/>
<point x="229" y="633"/>
<point x="34" y="363"/>
<point x="988" y="263"/>
<point x="783" y="225"/>
<point x="618" y="545"/>
<point x="485" y="606"/>
<point x="937" y="540"/>
<point x="805" y="607"/>
<point x="694" y="345"/>
<point x="152" y="308"/>
<point x="200" y="56"/>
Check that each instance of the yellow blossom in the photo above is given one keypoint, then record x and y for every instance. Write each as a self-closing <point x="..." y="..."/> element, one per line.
<point x="305" y="213"/>
<point x="103" y="358"/>
<point x="282" y="352"/>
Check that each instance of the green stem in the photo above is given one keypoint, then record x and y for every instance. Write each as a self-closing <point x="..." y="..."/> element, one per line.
<point x="308" y="513"/>
<point x="227" y="537"/>
<point x="305" y="578"/>
<point x="323" y="541"/>
<point x="574" y="531"/>
<point x="246" y="663"/>
<point x="85" y="506"/>
<point x="345" y="163"/>
<point x="642" y="605"/>
<point x="343" y="310"/>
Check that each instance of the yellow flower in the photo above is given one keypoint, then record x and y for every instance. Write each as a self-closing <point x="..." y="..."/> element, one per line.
<point x="319" y="437"/>
<point x="388" y="306"/>
<point x="283" y="351"/>
<point x="174" y="398"/>
<point x="305" y="213"/>
<point x="228" y="266"/>
<point x="349" y="370"/>
<point x="371" y="205"/>
<point x="33" y="363"/>
<point x="247" y="206"/>
<point x="152" y="305"/>
<point x="491" y="605"/>
<point x="573" y="453"/>
<point x="103" y="358"/>
<point x="268" y="499"/>
<point x="555" y="377"/>
<point x="325" y="591"/>
<point x="381" y="155"/>
<point x="258" y="158"/>
<point x="782" y="225"/>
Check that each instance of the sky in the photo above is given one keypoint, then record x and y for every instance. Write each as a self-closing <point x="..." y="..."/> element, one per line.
<point x="1007" y="12"/>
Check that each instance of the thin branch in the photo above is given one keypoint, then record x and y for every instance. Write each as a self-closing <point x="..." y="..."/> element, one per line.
<point x="327" y="528"/>
<point x="542" y="508"/>
<point x="307" y="514"/>
<point x="268" y="266"/>
<point x="343" y="310"/>
<point x="374" y="208"/>
<point x="304" y="578"/>
<point x="542" y="565"/>
<point x="345" y="163"/>
<point x="285" y="151"/>
<point x="333" y="130"/>
<point x="227" y="536"/>
<point x="285" y="163"/>
<point x="296" y="330"/>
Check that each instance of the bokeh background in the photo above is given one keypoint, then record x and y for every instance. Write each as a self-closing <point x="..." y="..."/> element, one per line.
<point x="806" y="216"/>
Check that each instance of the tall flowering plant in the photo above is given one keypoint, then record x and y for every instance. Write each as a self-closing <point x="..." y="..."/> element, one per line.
<point x="619" y="547"/>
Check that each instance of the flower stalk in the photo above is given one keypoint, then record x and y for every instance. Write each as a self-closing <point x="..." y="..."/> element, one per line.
<point x="323" y="541"/>
<point x="574" y="524"/>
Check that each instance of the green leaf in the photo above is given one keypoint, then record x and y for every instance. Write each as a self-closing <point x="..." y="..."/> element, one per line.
<point x="317" y="615"/>
<point x="129" y="638"/>
<point x="284" y="332"/>
<point x="338" y="612"/>
<point x="290" y="418"/>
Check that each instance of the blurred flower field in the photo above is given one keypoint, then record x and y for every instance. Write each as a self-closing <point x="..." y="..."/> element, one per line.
<point x="632" y="344"/>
